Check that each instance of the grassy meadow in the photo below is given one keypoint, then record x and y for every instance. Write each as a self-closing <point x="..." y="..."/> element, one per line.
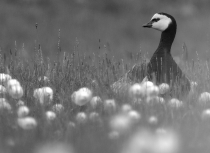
<point x="58" y="60"/>
<point x="101" y="126"/>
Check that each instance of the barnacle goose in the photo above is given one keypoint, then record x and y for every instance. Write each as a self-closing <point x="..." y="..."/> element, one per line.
<point x="161" y="68"/>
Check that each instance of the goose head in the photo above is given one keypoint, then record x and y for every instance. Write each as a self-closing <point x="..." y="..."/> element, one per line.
<point x="162" y="22"/>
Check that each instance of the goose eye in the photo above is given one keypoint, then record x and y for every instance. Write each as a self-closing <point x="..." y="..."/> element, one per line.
<point x="155" y="19"/>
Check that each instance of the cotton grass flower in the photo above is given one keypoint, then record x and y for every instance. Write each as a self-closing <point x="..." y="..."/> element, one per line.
<point x="141" y="141"/>
<point x="11" y="83"/>
<point x="167" y="142"/>
<point x="95" y="101"/>
<point x="4" y="105"/>
<point x="175" y="103"/>
<point x="150" y="89"/>
<point x="58" y="108"/>
<point x="120" y="123"/>
<point x="4" y="78"/>
<point x="136" y="91"/>
<point x="71" y="125"/>
<point x="94" y="117"/>
<point x="155" y="100"/>
<point x="206" y="114"/>
<point x="27" y="123"/>
<point x="23" y="111"/>
<point x="134" y="115"/>
<point x="163" y="88"/>
<point x="152" y="120"/>
<point x="110" y="105"/>
<point x="204" y="98"/>
<point x="81" y="96"/>
<point x="15" y="91"/>
<point x="44" y="95"/>
<point x="50" y="115"/>
<point x="3" y="90"/>
<point x="20" y="103"/>
<point x="125" y="108"/>
<point x="144" y="141"/>
<point x="147" y="84"/>
<point x="81" y="117"/>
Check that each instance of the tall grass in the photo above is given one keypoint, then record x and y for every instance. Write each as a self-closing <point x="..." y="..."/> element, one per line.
<point x="73" y="71"/>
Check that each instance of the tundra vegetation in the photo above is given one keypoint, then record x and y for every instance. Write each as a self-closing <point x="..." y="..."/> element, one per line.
<point x="67" y="105"/>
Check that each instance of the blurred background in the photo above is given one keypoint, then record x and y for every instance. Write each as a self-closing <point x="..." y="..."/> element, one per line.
<point x="101" y="26"/>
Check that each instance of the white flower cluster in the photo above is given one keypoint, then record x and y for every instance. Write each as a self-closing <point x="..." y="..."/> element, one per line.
<point x="4" y="78"/>
<point x="14" y="89"/>
<point x="147" y="89"/>
<point x="43" y="95"/>
<point x="10" y="86"/>
<point x="24" y="121"/>
<point x="161" y="141"/>
<point x="123" y="121"/>
<point x="81" y="96"/>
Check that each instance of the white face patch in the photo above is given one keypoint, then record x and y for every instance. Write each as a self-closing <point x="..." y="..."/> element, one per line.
<point x="163" y="22"/>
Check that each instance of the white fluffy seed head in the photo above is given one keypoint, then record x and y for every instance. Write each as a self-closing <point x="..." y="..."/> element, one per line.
<point x="141" y="141"/>
<point x="50" y="115"/>
<point x="204" y="98"/>
<point x="153" y="91"/>
<point x="175" y="103"/>
<point x="163" y="22"/>
<point x="81" y="117"/>
<point x="94" y="116"/>
<point x="4" y="105"/>
<point x="12" y="82"/>
<point x="109" y="105"/>
<point x="20" y="103"/>
<point x="134" y="115"/>
<point x="164" y="88"/>
<point x="81" y="96"/>
<point x="27" y="123"/>
<point x="3" y="90"/>
<point x="153" y="120"/>
<point x="150" y="89"/>
<point x="120" y="123"/>
<point x="71" y="125"/>
<point x="126" y="108"/>
<point x="44" y="95"/>
<point x="145" y="141"/>
<point x="95" y="101"/>
<point x="155" y="100"/>
<point x="167" y="142"/>
<point x="23" y="111"/>
<point x="136" y="91"/>
<point x="147" y="84"/>
<point x="15" y="91"/>
<point x="4" y="78"/>
<point x="205" y="114"/>
<point x="58" y="108"/>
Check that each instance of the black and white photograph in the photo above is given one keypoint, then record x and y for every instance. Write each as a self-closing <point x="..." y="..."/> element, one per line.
<point x="104" y="76"/>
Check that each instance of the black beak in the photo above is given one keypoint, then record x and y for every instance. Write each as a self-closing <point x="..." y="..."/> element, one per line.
<point x="148" y="25"/>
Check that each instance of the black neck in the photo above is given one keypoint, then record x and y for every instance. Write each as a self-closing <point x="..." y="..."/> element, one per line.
<point x="166" y="40"/>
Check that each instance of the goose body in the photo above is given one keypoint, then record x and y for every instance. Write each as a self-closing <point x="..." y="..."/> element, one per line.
<point x="162" y="68"/>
